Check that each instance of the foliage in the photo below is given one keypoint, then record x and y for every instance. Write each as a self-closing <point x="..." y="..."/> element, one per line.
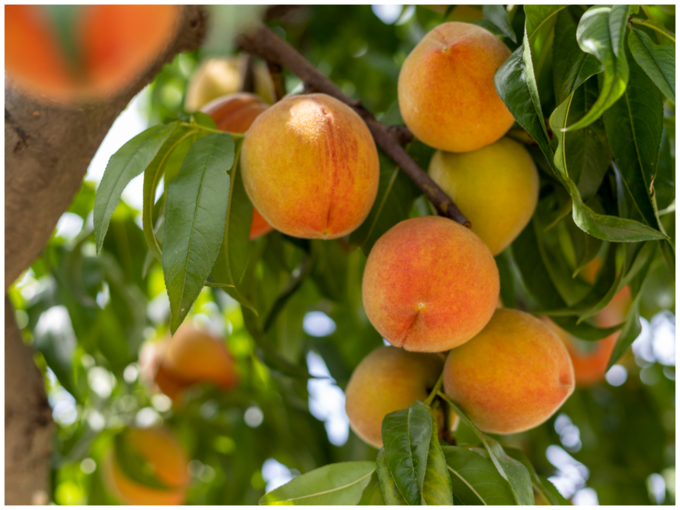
<point x="592" y="90"/>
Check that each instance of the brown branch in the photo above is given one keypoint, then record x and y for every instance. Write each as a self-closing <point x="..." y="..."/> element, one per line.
<point x="248" y="74"/>
<point x="269" y="46"/>
<point x="276" y="74"/>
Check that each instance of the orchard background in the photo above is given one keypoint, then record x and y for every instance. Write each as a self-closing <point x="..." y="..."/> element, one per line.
<point x="92" y="307"/>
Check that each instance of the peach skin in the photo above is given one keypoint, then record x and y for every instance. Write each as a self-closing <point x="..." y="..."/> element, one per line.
<point x="429" y="284"/>
<point x="495" y="187"/>
<point x="387" y="380"/>
<point x="512" y="376"/>
<point x="310" y="167"/>
<point x="446" y="90"/>
<point x="161" y="449"/>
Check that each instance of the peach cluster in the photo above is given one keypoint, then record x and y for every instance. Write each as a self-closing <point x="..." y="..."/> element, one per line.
<point x="431" y="285"/>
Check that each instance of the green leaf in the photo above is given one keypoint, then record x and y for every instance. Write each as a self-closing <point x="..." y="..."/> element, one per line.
<point x="539" y="15"/>
<point x="234" y="254"/>
<point x="58" y="346"/>
<point x="195" y="213"/>
<point x="586" y="150"/>
<point x="335" y="484"/>
<point x="406" y="438"/>
<point x="511" y="470"/>
<point x="635" y="125"/>
<point x="607" y="228"/>
<point x="656" y="60"/>
<point x="632" y="329"/>
<point x="372" y="494"/>
<point x="601" y="34"/>
<point x="390" y="492"/>
<point x="541" y="484"/>
<point x="498" y="15"/>
<point x="126" y="164"/>
<point x="437" y="489"/>
<point x="475" y="479"/>
<point x="396" y="194"/>
<point x="516" y="85"/>
<point x="571" y="66"/>
<point x="152" y="176"/>
<point x="135" y="465"/>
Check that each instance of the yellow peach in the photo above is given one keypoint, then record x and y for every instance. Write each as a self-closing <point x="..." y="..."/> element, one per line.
<point x="446" y="90"/>
<point x="495" y="187"/>
<point x="165" y="455"/>
<point x="387" y="380"/>
<point x="429" y="284"/>
<point x="310" y="167"/>
<point x="512" y="376"/>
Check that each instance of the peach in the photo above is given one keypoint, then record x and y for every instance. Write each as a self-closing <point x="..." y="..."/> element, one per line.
<point x="387" y="380"/>
<point x="310" y="167"/>
<point x="512" y="376"/>
<point x="429" y="284"/>
<point x="590" y="366"/>
<point x="218" y="77"/>
<point x="496" y="187"/>
<point x="165" y="455"/>
<point x="195" y="356"/>
<point x="235" y="113"/>
<point x="446" y="90"/>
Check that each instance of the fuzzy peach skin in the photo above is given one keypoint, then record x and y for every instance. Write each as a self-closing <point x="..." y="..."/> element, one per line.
<point x="429" y="284"/>
<point x="163" y="451"/>
<point x="512" y="376"/>
<point x="446" y="90"/>
<point x="195" y="356"/>
<point x="495" y="187"/>
<point x="235" y="113"/>
<point x="310" y="166"/>
<point x="387" y="380"/>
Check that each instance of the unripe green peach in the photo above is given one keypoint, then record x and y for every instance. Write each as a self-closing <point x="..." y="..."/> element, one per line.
<point x="310" y="166"/>
<point x="387" y="380"/>
<point x="447" y="95"/>
<point x="495" y="187"/>
<point x="512" y="376"/>
<point x="429" y="284"/>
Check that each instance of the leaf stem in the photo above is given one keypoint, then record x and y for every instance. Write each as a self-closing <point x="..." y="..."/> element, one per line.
<point x="210" y="130"/>
<point x="435" y="390"/>
<point x="638" y="21"/>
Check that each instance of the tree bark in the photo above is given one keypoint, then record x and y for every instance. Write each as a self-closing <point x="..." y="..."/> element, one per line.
<point x="48" y="147"/>
<point x="28" y="422"/>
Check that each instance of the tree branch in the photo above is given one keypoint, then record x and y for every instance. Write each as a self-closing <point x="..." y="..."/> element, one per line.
<point x="269" y="46"/>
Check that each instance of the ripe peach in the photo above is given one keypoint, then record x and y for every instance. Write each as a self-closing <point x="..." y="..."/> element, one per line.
<point x="590" y="366"/>
<point x="310" y="166"/>
<point x="387" y="380"/>
<point x="429" y="284"/>
<point x="446" y="88"/>
<point x="218" y="77"/>
<point x="235" y="113"/>
<point x="161" y="449"/>
<point x="512" y="376"/>
<point x="496" y="187"/>
<point x="195" y="356"/>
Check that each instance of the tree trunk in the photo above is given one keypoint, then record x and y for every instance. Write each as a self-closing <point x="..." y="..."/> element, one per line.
<point x="48" y="147"/>
<point x="28" y="423"/>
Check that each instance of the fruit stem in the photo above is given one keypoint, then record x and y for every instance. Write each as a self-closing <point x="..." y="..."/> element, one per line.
<point x="435" y="390"/>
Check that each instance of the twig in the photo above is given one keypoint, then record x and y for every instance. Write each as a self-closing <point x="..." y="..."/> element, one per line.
<point x="269" y="46"/>
<point x="248" y="75"/>
<point x="276" y="74"/>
